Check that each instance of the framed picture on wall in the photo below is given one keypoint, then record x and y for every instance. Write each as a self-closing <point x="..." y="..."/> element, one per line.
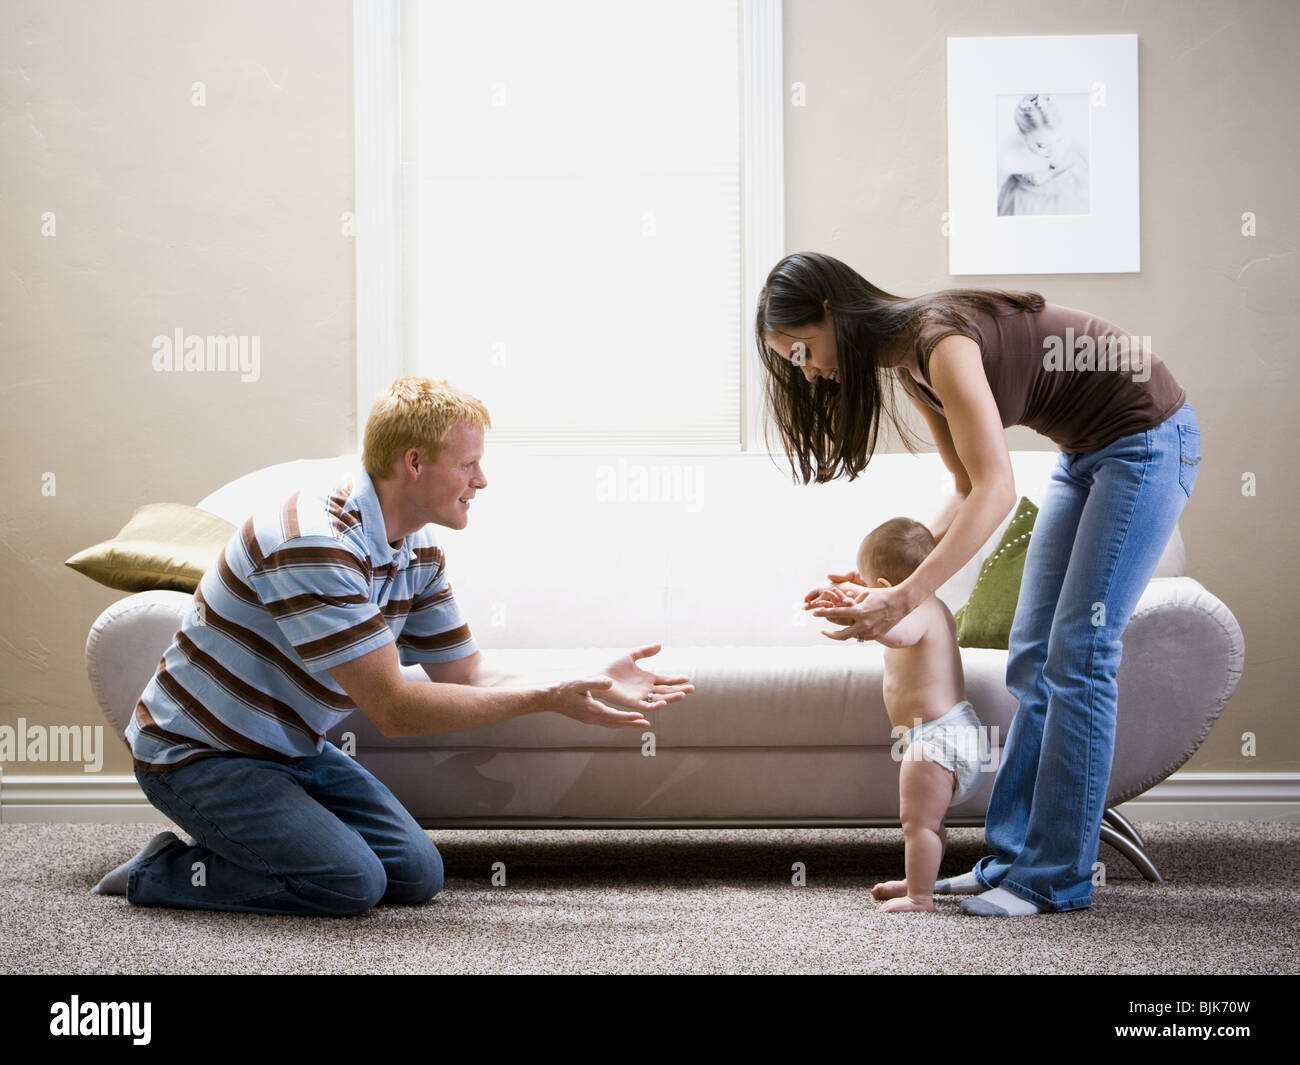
<point x="1043" y="155"/>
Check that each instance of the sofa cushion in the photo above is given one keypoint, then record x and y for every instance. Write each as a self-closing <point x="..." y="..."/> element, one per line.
<point x="768" y="697"/>
<point x="985" y="620"/>
<point x="164" y="545"/>
<point x="565" y="549"/>
<point x="270" y="486"/>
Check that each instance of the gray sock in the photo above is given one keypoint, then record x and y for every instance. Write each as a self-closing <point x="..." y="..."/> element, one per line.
<point x="115" y="882"/>
<point x="966" y="884"/>
<point x="999" y="903"/>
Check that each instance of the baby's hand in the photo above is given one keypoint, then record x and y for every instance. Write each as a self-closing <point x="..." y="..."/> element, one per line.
<point x="817" y="597"/>
<point x="834" y="597"/>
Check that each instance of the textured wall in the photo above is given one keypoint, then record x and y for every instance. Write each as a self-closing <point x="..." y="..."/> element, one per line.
<point x="225" y="220"/>
<point x="221" y="220"/>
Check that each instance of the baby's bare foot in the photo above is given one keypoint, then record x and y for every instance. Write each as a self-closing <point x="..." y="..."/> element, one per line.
<point x="906" y="905"/>
<point x="890" y="889"/>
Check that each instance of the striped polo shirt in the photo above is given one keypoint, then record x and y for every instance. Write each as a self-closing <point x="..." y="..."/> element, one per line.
<point x="300" y="589"/>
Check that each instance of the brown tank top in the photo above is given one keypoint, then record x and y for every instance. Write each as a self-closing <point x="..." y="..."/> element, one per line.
<point x="1078" y="379"/>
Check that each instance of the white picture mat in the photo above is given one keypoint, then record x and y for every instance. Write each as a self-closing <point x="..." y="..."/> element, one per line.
<point x="1108" y="238"/>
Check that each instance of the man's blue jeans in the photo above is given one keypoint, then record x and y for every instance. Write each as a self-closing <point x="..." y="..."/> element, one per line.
<point x="323" y="838"/>
<point x="1105" y="520"/>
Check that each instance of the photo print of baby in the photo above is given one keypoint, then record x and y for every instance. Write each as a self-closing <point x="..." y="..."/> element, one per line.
<point x="1042" y="154"/>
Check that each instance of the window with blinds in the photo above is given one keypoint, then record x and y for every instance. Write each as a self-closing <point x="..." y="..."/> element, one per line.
<point x="571" y="231"/>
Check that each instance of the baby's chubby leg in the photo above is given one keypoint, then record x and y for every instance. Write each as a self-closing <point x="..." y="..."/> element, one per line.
<point x="925" y="792"/>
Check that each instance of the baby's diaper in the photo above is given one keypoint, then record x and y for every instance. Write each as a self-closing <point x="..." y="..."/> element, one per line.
<point x="957" y="742"/>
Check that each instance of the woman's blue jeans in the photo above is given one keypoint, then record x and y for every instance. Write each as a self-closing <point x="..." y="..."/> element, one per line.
<point x="1104" y="522"/>
<point x="323" y="838"/>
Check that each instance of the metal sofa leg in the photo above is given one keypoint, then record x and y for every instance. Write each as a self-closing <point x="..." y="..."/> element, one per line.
<point x="1123" y="824"/>
<point x="1132" y="852"/>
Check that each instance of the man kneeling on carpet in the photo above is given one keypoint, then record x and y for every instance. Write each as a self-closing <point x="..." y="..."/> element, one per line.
<point x="944" y="745"/>
<point x="306" y="616"/>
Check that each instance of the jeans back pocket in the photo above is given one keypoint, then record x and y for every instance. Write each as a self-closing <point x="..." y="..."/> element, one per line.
<point x="1189" y="456"/>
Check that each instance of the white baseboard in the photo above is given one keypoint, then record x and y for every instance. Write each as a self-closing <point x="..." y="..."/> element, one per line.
<point x="1219" y="797"/>
<point x="1183" y="797"/>
<point x="86" y="799"/>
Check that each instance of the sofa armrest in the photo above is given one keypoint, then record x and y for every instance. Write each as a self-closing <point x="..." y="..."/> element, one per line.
<point x="125" y="645"/>
<point x="1183" y="656"/>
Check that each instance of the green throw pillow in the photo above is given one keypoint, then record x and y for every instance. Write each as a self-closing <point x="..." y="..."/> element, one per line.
<point x="164" y="545"/>
<point x="985" y="620"/>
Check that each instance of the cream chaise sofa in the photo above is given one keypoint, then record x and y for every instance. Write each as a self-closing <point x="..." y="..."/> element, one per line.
<point x="570" y="560"/>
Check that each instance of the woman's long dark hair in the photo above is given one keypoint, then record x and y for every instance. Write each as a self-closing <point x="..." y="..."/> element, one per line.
<point x="831" y="428"/>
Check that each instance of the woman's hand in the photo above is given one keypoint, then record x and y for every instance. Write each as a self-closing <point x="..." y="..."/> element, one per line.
<point x="874" y="615"/>
<point x="636" y="689"/>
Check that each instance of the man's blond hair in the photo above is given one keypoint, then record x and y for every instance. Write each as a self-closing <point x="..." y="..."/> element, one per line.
<point x="416" y="412"/>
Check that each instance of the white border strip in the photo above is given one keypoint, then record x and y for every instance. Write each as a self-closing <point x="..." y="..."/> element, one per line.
<point x="1183" y="797"/>
<point x="376" y="114"/>
<point x="762" y="188"/>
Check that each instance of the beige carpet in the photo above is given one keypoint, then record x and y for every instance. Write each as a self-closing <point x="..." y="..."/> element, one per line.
<point x="673" y="902"/>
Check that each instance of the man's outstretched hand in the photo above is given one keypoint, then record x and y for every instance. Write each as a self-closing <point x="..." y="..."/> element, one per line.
<point x="623" y="683"/>
<point x="637" y="689"/>
<point x="577" y="699"/>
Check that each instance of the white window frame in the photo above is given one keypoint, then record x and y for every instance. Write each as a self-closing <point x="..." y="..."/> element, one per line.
<point x="381" y="271"/>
